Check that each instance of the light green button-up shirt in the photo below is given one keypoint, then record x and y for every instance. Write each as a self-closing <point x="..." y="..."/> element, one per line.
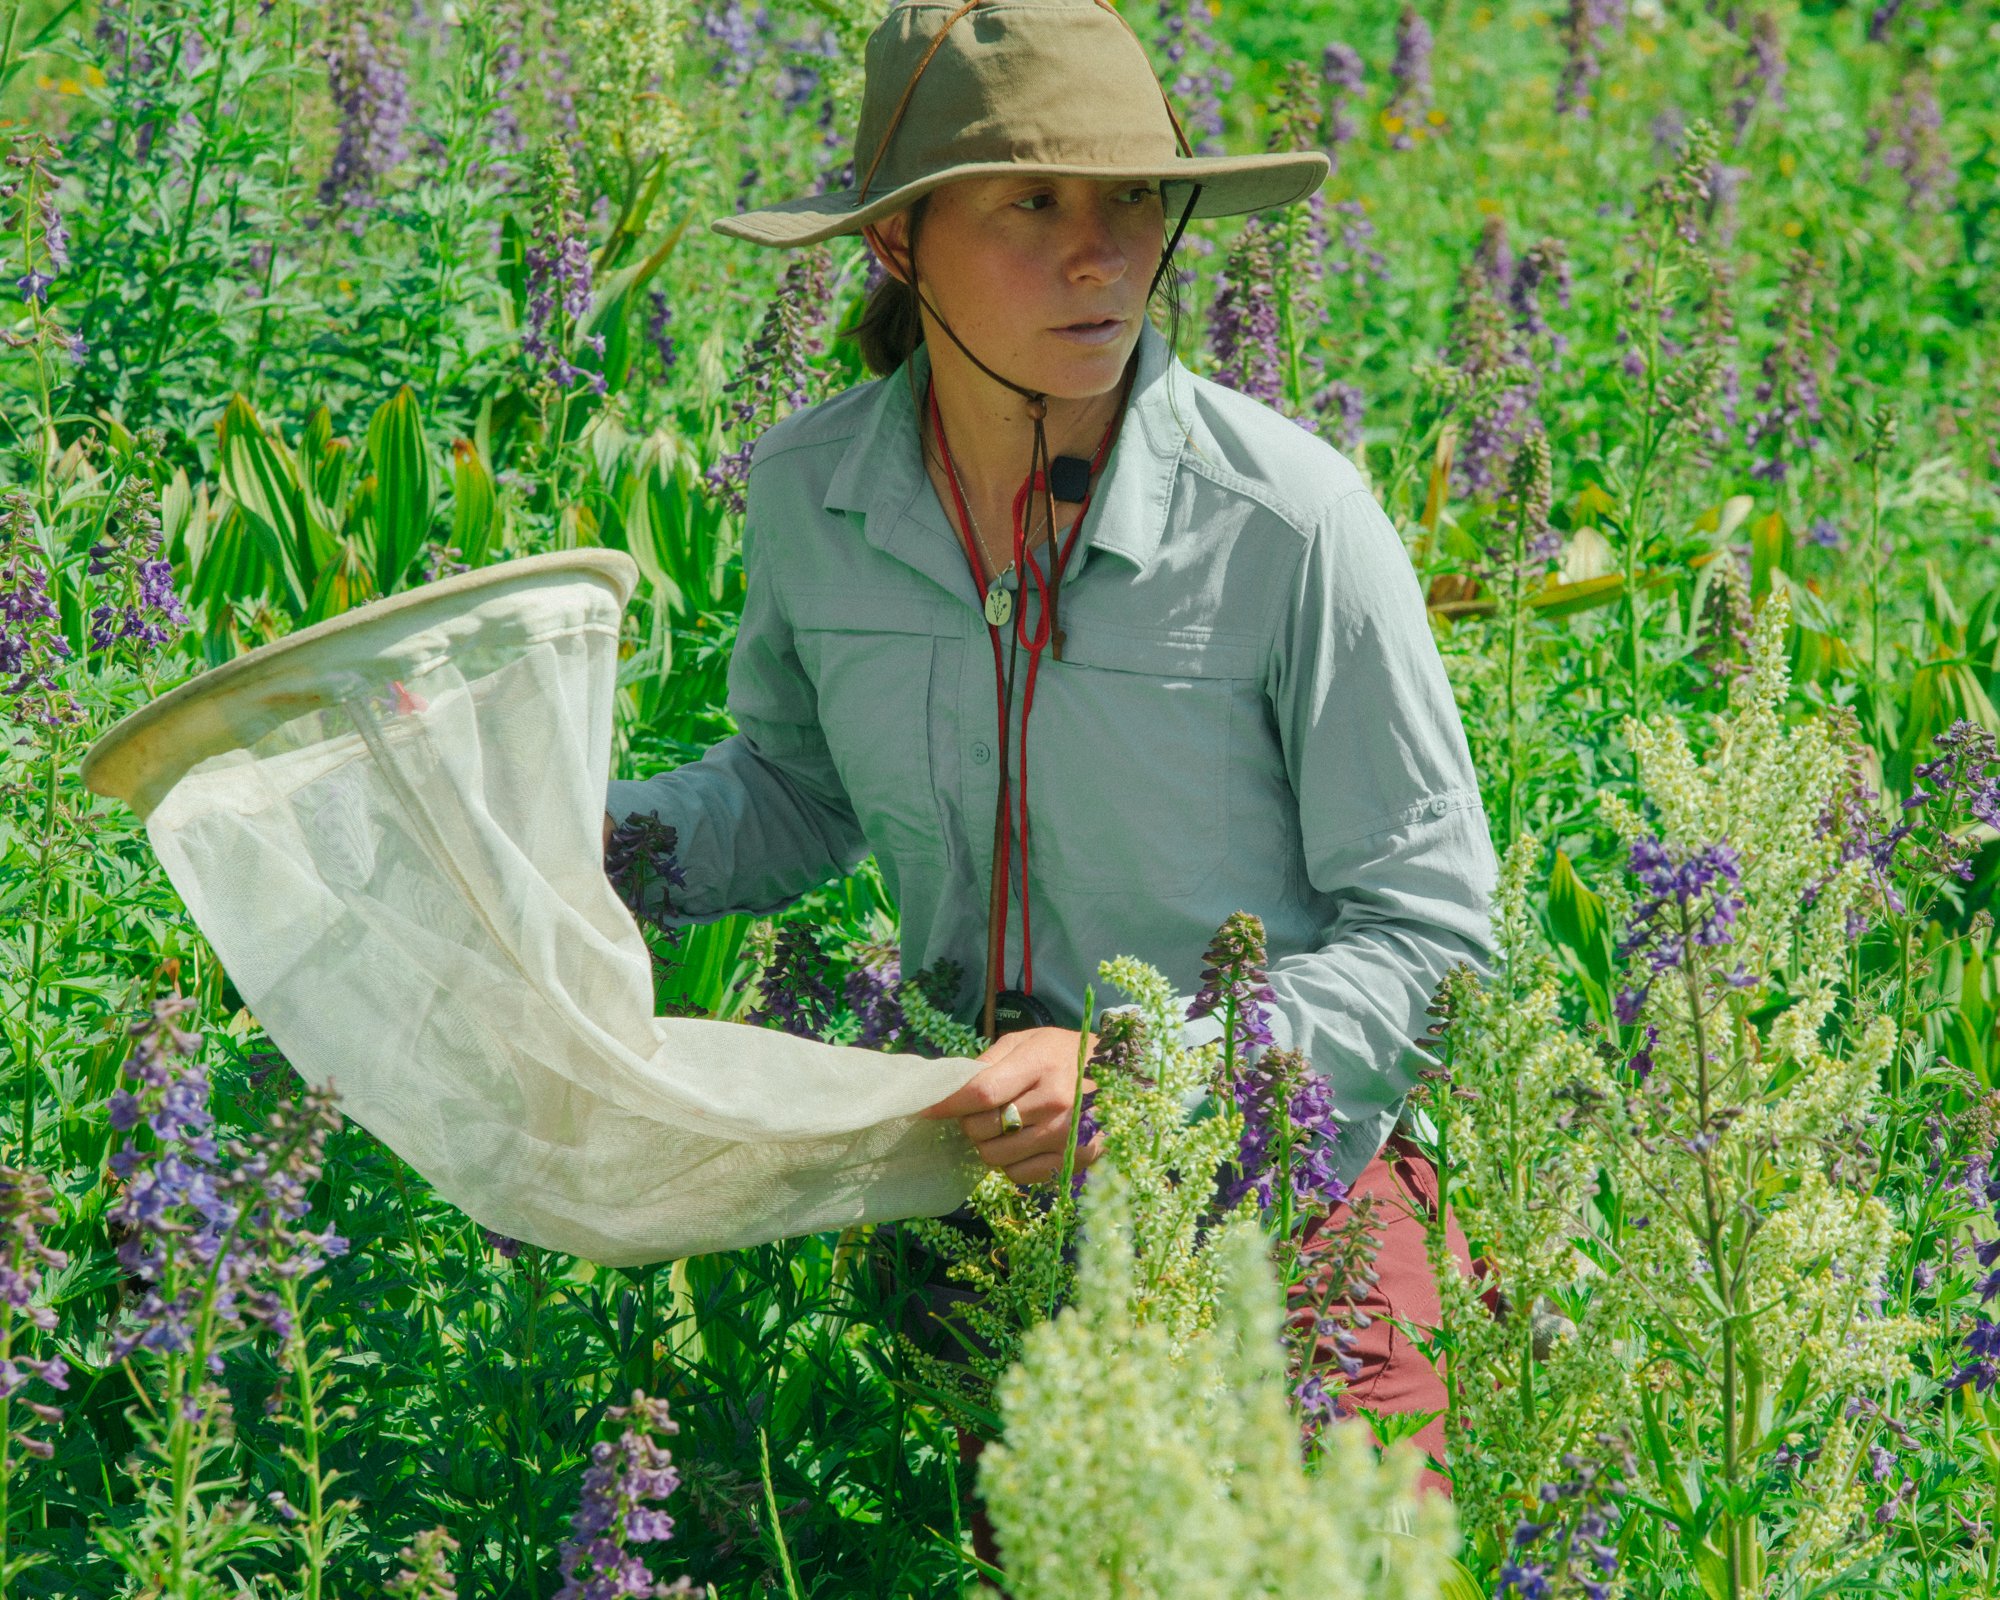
<point x="1250" y="713"/>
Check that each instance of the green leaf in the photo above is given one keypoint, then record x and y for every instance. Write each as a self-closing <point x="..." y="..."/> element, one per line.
<point x="1460" y="1584"/>
<point x="1770" y="551"/>
<point x="405" y="487"/>
<point x="1581" y="926"/>
<point x="262" y="479"/>
<point x="475" y="507"/>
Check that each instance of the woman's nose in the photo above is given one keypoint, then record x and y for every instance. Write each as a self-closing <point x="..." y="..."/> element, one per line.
<point x="1094" y="248"/>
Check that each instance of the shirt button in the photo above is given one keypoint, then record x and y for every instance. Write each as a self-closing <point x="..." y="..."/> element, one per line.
<point x="1440" y="806"/>
<point x="982" y="753"/>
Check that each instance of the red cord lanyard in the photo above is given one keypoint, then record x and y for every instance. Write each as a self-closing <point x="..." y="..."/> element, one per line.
<point x="1025" y="563"/>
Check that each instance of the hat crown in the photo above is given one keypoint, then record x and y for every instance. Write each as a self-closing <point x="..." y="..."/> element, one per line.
<point x="1054" y="83"/>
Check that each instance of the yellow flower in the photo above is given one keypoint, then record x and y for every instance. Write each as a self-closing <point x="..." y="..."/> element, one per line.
<point x="94" y="76"/>
<point x="1482" y="16"/>
<point x="1791" y="230"/>
<point x="1391" y="123"/>
<point x="1435" y="118"/>
<point x="1487" y="207"/>
<point x="1787" y="163"/>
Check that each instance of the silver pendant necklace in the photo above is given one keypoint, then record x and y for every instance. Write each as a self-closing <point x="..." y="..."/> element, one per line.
<point x="999" y="602"/>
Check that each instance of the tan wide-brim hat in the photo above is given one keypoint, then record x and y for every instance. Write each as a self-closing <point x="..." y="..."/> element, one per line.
<point x="1059" y="88"/>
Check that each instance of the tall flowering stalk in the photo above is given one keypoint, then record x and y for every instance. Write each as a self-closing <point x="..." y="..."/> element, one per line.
<point x="559" y="280"/>
<point x="619" y="1507"/>
<point x="427" y="1573"/>
<point x="1760" y="74"/>
<point x="370" y="87"/>
<point x="1667" y="388"/>
<point x="1143" y="1457"/>
<point x="1343" y="77"/>
<point x="36" y="242"/>
<point x="1243" y="325"/>
<point x="138" y="609"/>
<point x="1741" y="1138"/>
<point x="1500" y="343"/>
<point x="1910" y="142"/>
<point x="1786" y="428"/>
<point x="777" y="375"/>
<point x="1530" y="1362"/>
<point x="25" y="1210"/>
<point x="1408" y="115"/>
<point x="795" y="994"/>
<point x="1196" y="83"/>
<point x="1582" y="29"/>
<point x="210" y="1235"/>
<point x="629" y="118"/>
<point x="1517" y="560"/>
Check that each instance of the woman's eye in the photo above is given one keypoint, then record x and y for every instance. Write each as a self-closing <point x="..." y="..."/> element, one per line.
<point x="1139" y="194"/>
<point x="1029" y="199"/>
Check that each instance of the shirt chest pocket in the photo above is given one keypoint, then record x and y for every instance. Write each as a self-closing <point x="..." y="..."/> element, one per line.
<point x="1128" y="750"/>
<point x="872" y="665"/>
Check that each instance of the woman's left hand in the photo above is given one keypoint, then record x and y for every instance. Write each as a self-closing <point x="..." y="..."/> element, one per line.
<point x="1035" y="1068"/>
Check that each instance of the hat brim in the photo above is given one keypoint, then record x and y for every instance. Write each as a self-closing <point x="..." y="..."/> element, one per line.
<point x="1230" y="186"/>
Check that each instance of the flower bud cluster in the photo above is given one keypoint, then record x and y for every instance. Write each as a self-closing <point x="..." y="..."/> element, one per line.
<point x="24" y="1211"/>
<point x="622" y="1488"/>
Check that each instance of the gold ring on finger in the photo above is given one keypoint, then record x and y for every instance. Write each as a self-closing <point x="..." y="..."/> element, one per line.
<point x="1010" y="1118"/>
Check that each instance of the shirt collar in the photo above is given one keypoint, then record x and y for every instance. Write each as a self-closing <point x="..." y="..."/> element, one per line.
<point x="881" y="473"/>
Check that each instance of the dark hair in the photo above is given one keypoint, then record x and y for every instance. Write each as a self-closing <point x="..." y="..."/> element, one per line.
<point x="890" y="326"/>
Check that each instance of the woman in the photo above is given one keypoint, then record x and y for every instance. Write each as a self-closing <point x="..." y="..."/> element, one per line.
<point x="1215" y="689"/>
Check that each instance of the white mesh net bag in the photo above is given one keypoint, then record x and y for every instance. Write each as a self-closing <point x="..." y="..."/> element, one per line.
<point x="389" y="825"/>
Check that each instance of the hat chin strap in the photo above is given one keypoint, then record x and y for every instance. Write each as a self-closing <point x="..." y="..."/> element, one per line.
<point x="1038" y="400"/>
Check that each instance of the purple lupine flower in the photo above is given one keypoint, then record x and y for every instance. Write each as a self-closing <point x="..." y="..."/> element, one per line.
<point x="656" y="328"/>
<point x="558" y="263"/>
<point x="1243" y="320"/>
<point x="1790" y="388"/>
<point x="1578" y="1513"/>
<point x="27" y="181"/>
<point x="427" y="1574"/>
<point x="1342" y="74"/>
<point x="32" y="645"/>
<point x="502" y="1245"/>
<point x="1233" y="979"/>
<point x="140" y="604"/>
<point x="1524" y="543"/>
<point x="371" y="91"/>
<point x="1410" y="72"/>
<point x="1289" y="1129"/>
<point x="619" y="1506"/>
<point x="1700" y="887"/>
<point x="738" y="40"/>
<point x="1583" y="27"/>
<point x="1339" y="406"/>
<point x="1961" y="781"/>
<point x="871" y="992"/>
<point x="777" y="374"/>
<point x="1545" y="263"/>
<point x="232" y="1224"/>
<point x="795" y="994"/>
<point x="25" y="1210"/>
<point x="1495" y="322"/>
<point x="642" y="858"/>
<point x="1882" y="19"/>
<point x="1198" y="86"/>
<point x="1913" y="146"/>
<point x="509" y="64"/>
<point x="1760" y="75"/>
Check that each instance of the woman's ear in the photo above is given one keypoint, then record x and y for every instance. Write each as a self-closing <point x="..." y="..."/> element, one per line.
<point x="889" y="243"/>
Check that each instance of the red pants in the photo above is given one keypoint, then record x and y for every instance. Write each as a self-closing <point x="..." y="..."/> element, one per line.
<point x="1395" y="1375"/>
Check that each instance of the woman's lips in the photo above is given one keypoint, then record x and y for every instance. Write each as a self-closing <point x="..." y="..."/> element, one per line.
<point x="1093" y="332"/>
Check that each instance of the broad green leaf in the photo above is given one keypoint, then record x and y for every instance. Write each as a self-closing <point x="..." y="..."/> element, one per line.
<point x="1770" y="551"/>
<point x="262" y="478"/>
<point x="475" y="507"/>
<point x="1581" y="925"/>
<point x="405" y="487"/>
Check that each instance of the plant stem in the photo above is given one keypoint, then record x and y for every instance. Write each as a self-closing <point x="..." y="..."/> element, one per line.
<point x="31" y="1037"/>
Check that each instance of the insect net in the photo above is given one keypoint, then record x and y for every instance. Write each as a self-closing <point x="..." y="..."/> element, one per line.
<point x="389" y="828"/>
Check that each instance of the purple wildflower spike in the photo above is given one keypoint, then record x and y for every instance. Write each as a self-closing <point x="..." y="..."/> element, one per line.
<point x="619" y="1506"/>
<point x="1243" y="322"/>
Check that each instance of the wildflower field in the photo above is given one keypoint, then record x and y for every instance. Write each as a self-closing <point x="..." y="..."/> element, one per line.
<point x="1668" y="334"/>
